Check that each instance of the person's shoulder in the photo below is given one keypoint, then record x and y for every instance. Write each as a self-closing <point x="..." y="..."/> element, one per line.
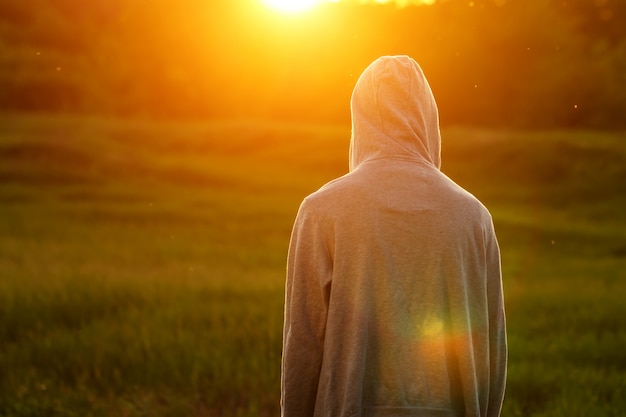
<point x="331" y="189"/>
<point x="330" y="195"/>
<point x="465" y="199"/>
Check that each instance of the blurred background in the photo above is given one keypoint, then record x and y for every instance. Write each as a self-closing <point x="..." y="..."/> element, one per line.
<point x="513" y="63"/>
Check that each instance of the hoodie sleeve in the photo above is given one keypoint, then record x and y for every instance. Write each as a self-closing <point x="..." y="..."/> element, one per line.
<point x="309" y="271"/>
<point x="497" y="327"/>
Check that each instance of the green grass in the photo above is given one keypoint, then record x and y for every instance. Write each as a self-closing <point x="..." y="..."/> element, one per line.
<point x="142" y="263"/>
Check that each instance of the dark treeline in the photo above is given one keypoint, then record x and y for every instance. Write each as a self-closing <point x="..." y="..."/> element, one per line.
<point x="522" y="63"/>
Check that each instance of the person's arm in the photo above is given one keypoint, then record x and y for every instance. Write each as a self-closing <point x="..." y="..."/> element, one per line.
<point x="309" y="271"/>
<point x="497" y="327"/>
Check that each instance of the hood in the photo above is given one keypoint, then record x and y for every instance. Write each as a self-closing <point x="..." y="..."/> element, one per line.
<point x="394" y="114"/>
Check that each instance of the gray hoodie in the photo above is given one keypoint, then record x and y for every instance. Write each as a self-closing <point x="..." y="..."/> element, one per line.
<point x="393" y="299"/>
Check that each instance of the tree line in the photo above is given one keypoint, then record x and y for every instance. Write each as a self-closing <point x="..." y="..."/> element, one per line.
<point x="531" y="63"/>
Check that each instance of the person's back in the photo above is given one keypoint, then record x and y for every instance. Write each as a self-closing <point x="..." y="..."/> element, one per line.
<point x="393" y="299"/>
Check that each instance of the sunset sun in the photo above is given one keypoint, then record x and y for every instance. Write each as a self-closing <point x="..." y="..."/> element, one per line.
<point x="291" y="6"/>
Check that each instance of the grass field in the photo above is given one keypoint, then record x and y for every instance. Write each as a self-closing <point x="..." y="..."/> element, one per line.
<point x="142" y="264"/>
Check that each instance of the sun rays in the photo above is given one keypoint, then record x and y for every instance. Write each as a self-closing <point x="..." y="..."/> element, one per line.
<point x="301" y="6"/>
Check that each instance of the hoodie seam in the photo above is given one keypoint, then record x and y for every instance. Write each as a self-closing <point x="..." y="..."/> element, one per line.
<point x="420" y="161"/>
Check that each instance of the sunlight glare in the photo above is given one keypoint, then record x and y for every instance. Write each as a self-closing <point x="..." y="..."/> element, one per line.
<point x="291" y="6"/>
<point x="300" y="6"/>
<point x="400" y="3"/>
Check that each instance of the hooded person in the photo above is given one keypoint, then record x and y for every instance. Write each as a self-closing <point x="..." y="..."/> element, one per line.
<point x="393" y="298"/>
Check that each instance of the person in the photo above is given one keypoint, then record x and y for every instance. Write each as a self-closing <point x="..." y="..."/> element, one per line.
<point x="393" y="298"/>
